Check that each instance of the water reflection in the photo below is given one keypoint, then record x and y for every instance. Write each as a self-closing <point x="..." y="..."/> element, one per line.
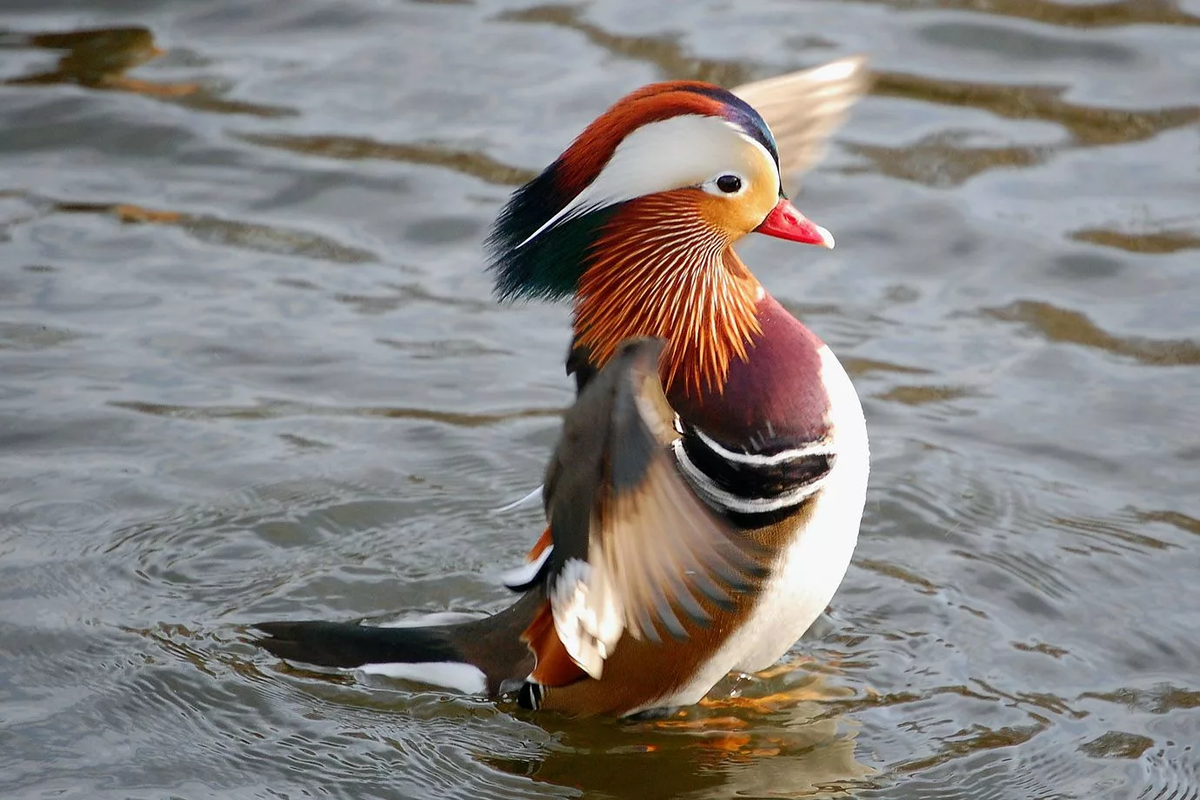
<point x="1088" y="126"/>
<point x="768" y="736"/>
<point x="282" y="409"/>
<point x="1070" y="15"/>
<point x="947" y="159"/>
<point x="1155" y="242"/>
<point x="251" y="369"/>
<point x="665" y="53"/>
<point x="227" y="233"/>
<point x="99" y="58"/>
<point x="478" y="165"/>
<point x="1074" y="327"/>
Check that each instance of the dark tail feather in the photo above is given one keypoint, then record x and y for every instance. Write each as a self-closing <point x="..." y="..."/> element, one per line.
<point x="343" y="644"/>
<point x="491" y="644"/>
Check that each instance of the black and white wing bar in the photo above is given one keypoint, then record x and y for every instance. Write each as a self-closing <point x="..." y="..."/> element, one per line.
<point x="753" y="487"/>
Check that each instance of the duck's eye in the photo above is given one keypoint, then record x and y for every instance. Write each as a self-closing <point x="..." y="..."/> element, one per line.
<point x="729" y="184"/>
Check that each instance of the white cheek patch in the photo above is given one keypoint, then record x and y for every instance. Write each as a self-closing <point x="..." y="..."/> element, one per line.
<point x="674" y="153"/>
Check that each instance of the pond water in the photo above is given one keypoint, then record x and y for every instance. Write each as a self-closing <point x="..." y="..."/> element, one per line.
<point x="250" y="367"/>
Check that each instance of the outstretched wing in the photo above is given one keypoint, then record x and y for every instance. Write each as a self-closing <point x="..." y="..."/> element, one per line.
<point x="635" y="549"/>
<point x="803" y="109"/>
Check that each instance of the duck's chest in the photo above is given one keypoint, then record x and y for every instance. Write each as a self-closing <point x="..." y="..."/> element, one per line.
<point x="781" y="449"/>
<point x="773" y="398"/>
<point x="812" y="548"/>
<point x="758" y="447"/>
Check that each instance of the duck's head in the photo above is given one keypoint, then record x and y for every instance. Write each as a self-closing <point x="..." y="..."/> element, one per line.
<point x="683" y="163"/>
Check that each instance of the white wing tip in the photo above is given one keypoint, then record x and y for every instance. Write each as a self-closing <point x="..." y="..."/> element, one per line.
<point x="533" y="497"/>
<point x="838" y="70"/>
<point x="519" y="578"/>
<point x="586" y="617"/>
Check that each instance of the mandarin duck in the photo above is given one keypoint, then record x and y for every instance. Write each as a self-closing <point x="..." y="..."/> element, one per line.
<point x="704" y="498"/>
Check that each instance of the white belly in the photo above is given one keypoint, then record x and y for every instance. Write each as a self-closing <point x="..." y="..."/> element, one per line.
<point x="809" y="572"/>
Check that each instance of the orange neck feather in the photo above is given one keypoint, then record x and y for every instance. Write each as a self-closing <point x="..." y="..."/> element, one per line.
<point x="658" y="269"/>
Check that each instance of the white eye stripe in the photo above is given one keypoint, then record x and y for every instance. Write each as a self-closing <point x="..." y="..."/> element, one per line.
<point x="660" y="156"/>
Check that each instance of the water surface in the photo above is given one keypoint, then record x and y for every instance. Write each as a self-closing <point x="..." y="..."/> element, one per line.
<point x="250" y="368"/>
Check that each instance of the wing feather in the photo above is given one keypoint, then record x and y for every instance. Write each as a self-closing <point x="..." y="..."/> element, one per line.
<point x="804" y="108"/>
<point x="655" y="553"/>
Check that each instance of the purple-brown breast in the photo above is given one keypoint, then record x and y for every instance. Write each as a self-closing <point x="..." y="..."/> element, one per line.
<point x="774" y="399"/>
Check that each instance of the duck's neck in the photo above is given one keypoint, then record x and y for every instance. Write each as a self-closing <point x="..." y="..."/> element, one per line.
<point x="658" y="270"/>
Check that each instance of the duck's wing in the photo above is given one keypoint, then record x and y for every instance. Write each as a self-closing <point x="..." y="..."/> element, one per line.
<point x="804" y="108"/>
<point x="634" y="548"/>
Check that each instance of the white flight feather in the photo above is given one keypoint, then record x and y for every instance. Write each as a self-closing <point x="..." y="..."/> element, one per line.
<point x="519" y="576"/>
<point x="533" y="497"/>
<point x="588" y="616"/>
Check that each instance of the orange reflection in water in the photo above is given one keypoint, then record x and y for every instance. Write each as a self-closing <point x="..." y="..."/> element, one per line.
<point x="99" y="58"/>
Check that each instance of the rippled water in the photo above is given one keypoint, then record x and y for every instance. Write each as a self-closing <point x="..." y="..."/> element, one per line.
<point x="250" y="368"/>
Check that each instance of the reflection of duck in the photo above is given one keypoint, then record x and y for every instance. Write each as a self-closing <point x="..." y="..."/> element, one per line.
<point x="99" y="59"/>
<point x="705" y="496"/>
<point x="725" y="749"/>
